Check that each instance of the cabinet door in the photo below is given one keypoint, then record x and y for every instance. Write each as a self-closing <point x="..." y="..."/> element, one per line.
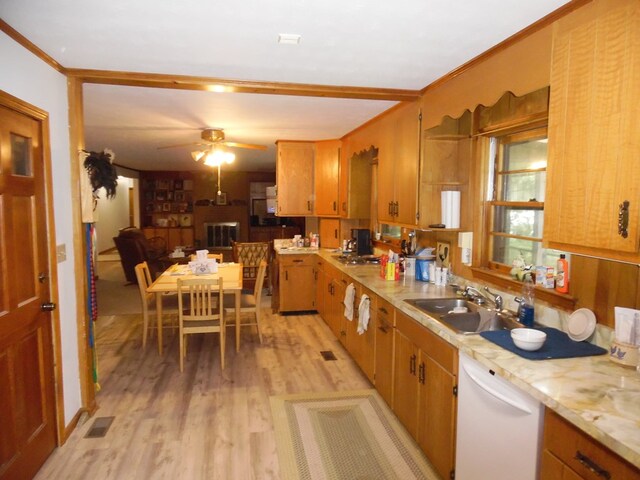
<point x="406" y="152"/>
<point x="329" y="232"/>
<point x="327" y="167"/>
<point x="187" y="236"/>
<point x="383" y="374"/>
<point x="339" y="320"/>
<point x="362" y="346"/>
<point x="297" y="288"/>
<point x="553" y="467"/>
<point x="294" y="178"/>
<point x="405" y="382"/>
<point x="437" y="415"/>
<point x="386" y="184"/>
<point x="594" y="133"/>
<point x="319" y="278"/>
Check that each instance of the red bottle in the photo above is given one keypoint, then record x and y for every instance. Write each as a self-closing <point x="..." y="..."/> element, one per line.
<point x="562" y="274"/>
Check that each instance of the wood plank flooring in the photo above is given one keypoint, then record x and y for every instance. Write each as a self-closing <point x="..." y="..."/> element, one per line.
<point x="203" y="423"/>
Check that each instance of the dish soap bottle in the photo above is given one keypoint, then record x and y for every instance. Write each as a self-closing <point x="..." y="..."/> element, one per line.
<point x="562" y="275"/>
<point x="526" y="305"/>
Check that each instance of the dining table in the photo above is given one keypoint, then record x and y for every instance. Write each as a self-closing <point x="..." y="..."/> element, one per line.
<point x="167" y="282"/>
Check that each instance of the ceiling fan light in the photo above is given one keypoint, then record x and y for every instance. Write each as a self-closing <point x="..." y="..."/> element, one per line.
<point x="229" y="157"/>
<point x="197" y="155"/>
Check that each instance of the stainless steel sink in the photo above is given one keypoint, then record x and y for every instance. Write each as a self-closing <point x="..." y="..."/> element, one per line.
<point x="477" y="319"/>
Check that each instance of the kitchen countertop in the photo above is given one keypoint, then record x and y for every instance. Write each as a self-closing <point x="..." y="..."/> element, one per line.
<point x="598" y="396"/>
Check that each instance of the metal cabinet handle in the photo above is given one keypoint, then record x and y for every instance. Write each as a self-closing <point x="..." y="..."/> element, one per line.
<point x="383" y="329"/>
<point x="335" y="233"/>
<point x="383" y="310"/>
<point x="412" y="364"/>
<point x="591" y="465"/>
<point x="309" y="205"/>
<point x="286" y="275"/>
<point x="344" y="207"/>
<point x="298" y="261"/>
<point x="623" y="219"/>
<point x="335" y="205"/>
<point x="422" y="373"/>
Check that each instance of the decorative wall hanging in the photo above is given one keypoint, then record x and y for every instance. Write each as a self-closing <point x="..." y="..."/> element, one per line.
<point x="102" y="172"/>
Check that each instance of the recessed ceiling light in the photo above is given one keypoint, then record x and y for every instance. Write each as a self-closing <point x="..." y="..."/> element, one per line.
<point x="289" y="38"/>
<point x="216" y="88"/>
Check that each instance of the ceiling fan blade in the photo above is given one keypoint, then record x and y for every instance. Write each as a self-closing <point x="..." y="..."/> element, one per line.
<point x="245" y="145"/>
<point x="190" y="144"/>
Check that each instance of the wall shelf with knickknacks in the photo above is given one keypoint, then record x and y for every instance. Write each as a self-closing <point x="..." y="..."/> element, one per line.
<point x="166" y="199"/>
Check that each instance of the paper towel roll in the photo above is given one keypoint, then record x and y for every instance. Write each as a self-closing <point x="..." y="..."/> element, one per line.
<point x="454" y="207"/>
<point x="450" y="207"/>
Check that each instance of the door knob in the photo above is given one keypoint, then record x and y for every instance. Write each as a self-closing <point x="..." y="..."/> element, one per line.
<point x="47" y="307"/>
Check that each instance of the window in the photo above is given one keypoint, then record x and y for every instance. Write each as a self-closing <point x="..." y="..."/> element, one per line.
<point x="517" y="187"/>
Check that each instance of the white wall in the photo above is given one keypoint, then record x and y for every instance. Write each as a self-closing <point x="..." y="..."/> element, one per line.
<point x="25" y="76"/>
<point x="113" y="214"/>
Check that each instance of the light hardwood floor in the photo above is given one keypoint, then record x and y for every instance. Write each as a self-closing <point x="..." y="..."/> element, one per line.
<point x="202" y="423"/>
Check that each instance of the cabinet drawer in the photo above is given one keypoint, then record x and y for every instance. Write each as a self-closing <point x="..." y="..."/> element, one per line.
<point x="581" y="453"/>
<point x="296" y="260"/>
<point x="437" y="348"/>
<point x="385" y="312"/>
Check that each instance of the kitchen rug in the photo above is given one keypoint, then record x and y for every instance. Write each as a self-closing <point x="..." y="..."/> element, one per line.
<point x="344" y="435"/>
<point x="557" y="345"/>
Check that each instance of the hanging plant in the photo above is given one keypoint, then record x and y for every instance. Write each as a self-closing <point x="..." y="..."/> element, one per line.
<point x="102" y="173"/>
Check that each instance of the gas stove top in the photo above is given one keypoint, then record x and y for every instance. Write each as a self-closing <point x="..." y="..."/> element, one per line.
<point x="357" y="259"/>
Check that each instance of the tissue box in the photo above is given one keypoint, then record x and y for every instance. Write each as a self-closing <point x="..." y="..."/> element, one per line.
<point x="203" y="267"/>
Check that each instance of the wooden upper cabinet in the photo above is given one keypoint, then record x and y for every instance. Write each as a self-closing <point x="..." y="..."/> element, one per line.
<point x="294" y="178"/>
<point x="445" y="165"/>
<point x="356" y="181"/>
<point x="327" y="170"/>
<point x="594" y="132"/>
<point x="398" y="166"/>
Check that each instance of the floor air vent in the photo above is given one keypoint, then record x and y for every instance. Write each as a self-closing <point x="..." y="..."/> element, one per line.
<point x="100" y="427"/>
<point x="328" y="355"/>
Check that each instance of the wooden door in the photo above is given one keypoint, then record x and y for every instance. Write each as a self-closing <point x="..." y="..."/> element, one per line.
<point x="337" y="307"/>
<point x="437" y="415"/>
<point x="321" y="285"/>
<point x="594" y="133"/>
<point x="297" y="288"/>
<point x="327" y="185"/>
<point x="405" y="382"/>
<point x="27" y="396"/>
<point x="294" y="178"/>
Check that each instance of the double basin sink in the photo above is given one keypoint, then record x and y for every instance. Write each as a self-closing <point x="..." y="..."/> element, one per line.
<point x="475" y="320"/>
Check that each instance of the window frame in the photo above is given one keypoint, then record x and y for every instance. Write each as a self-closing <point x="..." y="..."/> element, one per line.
<point x="495" y="157"/>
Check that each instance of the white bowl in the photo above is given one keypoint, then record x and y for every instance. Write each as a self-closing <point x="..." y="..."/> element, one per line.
<point x="528" y="338"/>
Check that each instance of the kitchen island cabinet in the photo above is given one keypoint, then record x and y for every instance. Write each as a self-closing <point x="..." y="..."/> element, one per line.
<point x="592" y="203"/>
<point x="294" y="178"/>
<point x="296" y="288"/>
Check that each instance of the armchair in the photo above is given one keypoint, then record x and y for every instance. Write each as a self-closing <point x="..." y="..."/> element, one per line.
<point x="135" y="248"/>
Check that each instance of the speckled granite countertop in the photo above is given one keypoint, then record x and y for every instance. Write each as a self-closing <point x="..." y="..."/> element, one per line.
<point x="593" y="393"/>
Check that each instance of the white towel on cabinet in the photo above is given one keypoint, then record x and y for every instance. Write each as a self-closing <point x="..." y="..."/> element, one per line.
<point x="349" y="296"/>
<point x="363" y="314"/>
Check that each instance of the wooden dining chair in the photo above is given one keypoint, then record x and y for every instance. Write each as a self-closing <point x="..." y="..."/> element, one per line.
<point x="148" y="300"/>
<point x="202" y="314"/>
<point x="250" y="303"/>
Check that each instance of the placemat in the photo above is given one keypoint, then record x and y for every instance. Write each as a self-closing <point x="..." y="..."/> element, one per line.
<point x="558" y="345"/>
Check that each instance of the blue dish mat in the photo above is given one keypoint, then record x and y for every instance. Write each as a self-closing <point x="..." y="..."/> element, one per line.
<point x="558" y="345"/>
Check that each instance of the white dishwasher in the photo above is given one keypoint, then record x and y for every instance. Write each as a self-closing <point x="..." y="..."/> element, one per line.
<point x="499" y="427"/>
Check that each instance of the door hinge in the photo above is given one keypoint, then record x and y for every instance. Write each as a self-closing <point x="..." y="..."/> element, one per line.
<point x="420" y="116"/>
<point x="455" y="390"/>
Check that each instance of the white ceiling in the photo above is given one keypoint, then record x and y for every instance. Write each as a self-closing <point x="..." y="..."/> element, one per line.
<point x="405" y="44"/>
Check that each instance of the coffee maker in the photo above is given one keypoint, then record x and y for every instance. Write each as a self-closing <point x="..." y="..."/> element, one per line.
<point x="362" y="236"/>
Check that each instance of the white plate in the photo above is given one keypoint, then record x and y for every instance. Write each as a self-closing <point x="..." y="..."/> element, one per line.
<point x="581" y="324"/>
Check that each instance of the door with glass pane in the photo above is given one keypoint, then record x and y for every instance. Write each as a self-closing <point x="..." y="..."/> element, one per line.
<point x="27" y="397"/>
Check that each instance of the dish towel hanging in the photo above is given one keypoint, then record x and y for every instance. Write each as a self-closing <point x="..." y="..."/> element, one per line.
<point x="363" y="314"/>
<point x="349" y="296"/>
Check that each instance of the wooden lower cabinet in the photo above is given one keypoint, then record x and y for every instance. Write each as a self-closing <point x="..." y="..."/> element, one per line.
<point x="297" y="284"/>
<point x="383" y="359"/>
<point x="425" y="389"/>
<point x="361" y="347"/>
<point x="569" y="454"/>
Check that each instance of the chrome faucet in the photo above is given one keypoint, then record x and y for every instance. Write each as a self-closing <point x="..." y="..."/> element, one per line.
<point x="496" y="299"/>
<point x="479" y="297"/>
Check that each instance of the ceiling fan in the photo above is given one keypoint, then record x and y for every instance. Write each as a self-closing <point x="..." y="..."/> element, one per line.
<point x="215" y="137"/>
